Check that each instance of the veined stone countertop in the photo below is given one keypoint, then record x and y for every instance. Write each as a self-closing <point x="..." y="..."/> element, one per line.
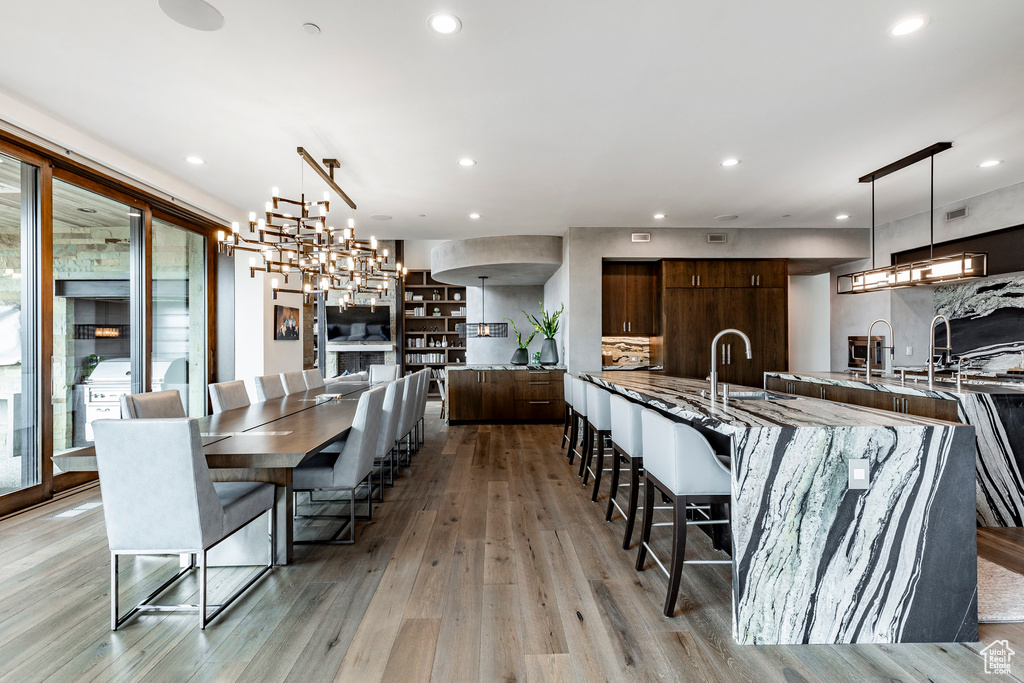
<point x="940" y="389"/>
<point x="506" y="367"/>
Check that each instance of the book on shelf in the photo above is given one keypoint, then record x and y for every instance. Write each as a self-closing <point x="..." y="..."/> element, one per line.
<point x="420" y="358"/>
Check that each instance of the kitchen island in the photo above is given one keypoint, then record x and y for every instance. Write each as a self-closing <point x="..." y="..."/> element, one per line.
<point x="816" y="562"/>
<point x="996" y="410"/>
<point x="505" y="393"/>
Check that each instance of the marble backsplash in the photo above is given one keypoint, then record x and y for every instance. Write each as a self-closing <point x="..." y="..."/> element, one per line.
<point x="986" y="319"/>
<point x="625" y="351"/>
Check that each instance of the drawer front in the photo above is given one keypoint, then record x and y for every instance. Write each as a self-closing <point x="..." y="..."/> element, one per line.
<point x="540" y="409"/>
<point x="527" y="376"/>
<point x="539" y="389"/>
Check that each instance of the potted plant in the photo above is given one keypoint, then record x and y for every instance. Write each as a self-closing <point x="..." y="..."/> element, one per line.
<point x="521" y="356"/>
<point x="547" y="324"/>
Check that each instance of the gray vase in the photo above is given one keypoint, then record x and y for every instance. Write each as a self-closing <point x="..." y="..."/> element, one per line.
<point x="521" y="357"/>
<point x="549" y="352"/>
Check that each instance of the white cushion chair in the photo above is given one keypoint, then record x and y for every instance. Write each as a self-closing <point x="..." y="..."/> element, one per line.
<point x="228" y="395"/>
<point x="627" y="442"/>
<point x="682" y="465"/>
<point x="401" y="393"/>
<point x="383" y="373"/>
<point x="567" y="397"/>
<point x="408" y="419"/>
<point x="392" y="408"/>
<point x="269" y="387"/>
<point x="349" y="469"/>
<point x="314" y="380"/>
<point x="293" y="382"/>
<point x="599" y="419"/>
<point x="166" y="504"/>
<point x="155" y="404"/>
<point x="580" y="427"/>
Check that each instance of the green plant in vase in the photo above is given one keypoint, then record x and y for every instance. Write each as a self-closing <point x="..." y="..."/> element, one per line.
<point x="521" y="356"/>
<point x="547" y="324"/>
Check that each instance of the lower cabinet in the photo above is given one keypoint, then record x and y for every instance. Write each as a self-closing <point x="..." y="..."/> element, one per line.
<point x="935" y="408"/>
<point x="505" y="395"/>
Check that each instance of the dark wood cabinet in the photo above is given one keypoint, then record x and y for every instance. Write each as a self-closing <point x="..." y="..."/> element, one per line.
<point x="629" y="299"/>
<point x="921" y="406"/>
<point x="690" y="274"/>
<point x="755" y="273"/>
<point x="505" y="395"/>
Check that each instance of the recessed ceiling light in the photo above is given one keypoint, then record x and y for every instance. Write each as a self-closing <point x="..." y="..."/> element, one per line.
<point x="990" y="163"/>
<point x="787" y="215"/>
<point x="444" y="23"/>
<point x="195" y="14"/>
<point x="198" y="161"/>
<point x="466" y="161"/>
<point x="658" y="216"/>
<point x="474" y="216"/>
<point x="85" y="210"/>
<point x="730" y="162"/>
<point x="380" y="217"/>
<point x="908" y="25"/>
<point x="423" y="215"/>
<point x="726" y="217"/>
<point x="842" y="216"/>
<point x="311" y="28"/>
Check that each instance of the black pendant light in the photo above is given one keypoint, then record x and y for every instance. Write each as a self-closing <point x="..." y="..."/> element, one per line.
<point x="474" y="330"/>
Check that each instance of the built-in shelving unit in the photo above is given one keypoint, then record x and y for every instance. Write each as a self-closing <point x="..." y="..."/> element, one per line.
<point x="422" y="328"/>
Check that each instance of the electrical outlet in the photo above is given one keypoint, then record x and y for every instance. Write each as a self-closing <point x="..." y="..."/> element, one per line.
<point x="859" y="473"/>
<point x="910" y="350"/>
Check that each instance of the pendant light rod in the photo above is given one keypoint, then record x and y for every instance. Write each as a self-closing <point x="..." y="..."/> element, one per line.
<point x="906" y="161"/>
<point x="327" y="178"/>
<point x="931" y="212"/>
<point x="872" y="225"/>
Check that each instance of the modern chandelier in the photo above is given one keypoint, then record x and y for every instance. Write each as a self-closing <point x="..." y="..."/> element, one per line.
<point x="933" y="270"/>
<point x="307" y="247"/>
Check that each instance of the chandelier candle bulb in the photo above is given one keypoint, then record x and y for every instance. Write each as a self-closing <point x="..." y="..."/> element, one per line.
<point x="252" y="216"/>
<point x="220" y="236"/>
<point x="234" y="226"/>
<point x="351" y="224"/>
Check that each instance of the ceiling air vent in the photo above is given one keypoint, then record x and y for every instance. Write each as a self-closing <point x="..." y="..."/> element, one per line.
<point x="956" y="213"/>
<point x="641" y="237"/>
<point x="717" y="238"/>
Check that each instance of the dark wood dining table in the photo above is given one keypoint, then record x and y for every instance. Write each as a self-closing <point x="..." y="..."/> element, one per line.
<point x="264" y="442"/>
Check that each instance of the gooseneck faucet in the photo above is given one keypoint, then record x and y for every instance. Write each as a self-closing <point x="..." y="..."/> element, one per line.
<point x="932" y="348"/>
<point x="871" y="349"/>
<point x="714" y="357"/>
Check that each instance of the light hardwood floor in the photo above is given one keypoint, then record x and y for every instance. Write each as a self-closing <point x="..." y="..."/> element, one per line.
<point x="487" y="562"/>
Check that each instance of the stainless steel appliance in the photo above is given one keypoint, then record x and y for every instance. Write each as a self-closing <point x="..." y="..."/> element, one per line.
<point x="105" y="385"/>
<point x="858" y="359"/>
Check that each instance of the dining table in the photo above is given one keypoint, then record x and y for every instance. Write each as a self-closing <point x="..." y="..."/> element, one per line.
<point x="264" y="442"/>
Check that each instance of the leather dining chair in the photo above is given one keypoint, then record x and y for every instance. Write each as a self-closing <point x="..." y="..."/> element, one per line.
<point x="166" y="504"/>
<point x="313" y="378"/>
<point x="269" y="387"/>
<point x="348" y="470"/>
<point x="293" y="382"/>
<point x="155" y="404"/>
<point x="682" y="465"/>
<point x="228" y="395"/>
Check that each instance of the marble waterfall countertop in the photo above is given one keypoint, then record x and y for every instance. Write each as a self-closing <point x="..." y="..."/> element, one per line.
<point x="817" y="562"/>
<point x="996" y="411"/>
<point x="506" y="367"/>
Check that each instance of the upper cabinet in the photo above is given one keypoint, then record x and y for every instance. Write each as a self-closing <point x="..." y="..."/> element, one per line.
<point x="630" y="299"/>
<point x="734" y="273"/>
<point x="692" y="274"/>
<point x="763" y="273"/>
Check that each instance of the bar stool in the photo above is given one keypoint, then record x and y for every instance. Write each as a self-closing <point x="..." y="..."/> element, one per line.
<point x="599" y="417"/>
<point x="579" y="420"/>
<point x="680" y="463"/>
<point x="567" y="397"/>
<point x="627" y="442"/>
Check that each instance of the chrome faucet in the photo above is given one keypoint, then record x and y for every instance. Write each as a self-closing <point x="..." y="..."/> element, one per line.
<point x="714" y="357"/>
<point x="960" y="372"/>
<point x="932" y="348"/>
<point x="871" y="349"/>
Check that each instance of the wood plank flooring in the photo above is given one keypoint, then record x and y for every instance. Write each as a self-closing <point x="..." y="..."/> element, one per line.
<point x="487" y="562"/>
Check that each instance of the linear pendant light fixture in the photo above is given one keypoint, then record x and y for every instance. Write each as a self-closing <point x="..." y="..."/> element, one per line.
<point x="934" y="270"/>
<point x="473" y="330"/>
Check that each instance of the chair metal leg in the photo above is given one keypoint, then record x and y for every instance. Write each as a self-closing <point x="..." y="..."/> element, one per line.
<point x="202" y="591"/>
<point x="634" y="494"/>
<point x="645" y="529"/>
<point x="678" y="552"/>
<point x="113" y="591"/>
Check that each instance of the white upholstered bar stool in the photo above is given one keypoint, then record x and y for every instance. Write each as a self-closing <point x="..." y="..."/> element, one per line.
<point x="580" y="427"/>
<point x="348" y="470"/>
<point x="166" y="504"/>
<point x="567" y="397"/>
<point x="627" y="442"/>
<point x="682" y="465"/>
<point x="313" y="378"/>
<point x="269" y="387"/>
<point x="599" y="418"/>
<point x="383" y="373"/>
<point x="155" y="404"/>
<point x="228" y="395"/>
<point x="293" y="382"/>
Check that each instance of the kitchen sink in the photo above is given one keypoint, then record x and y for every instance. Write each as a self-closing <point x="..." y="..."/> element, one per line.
<point x="760" y="396"/>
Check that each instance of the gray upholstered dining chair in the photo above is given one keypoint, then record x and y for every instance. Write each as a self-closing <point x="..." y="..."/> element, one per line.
<point x="408" y="420"/>
<point x="313" y="378"/>
<point x="166" y="504"/>
<point x="269" y="387"/>
<point x="155" y="404"/>
<point x="386" y="447"/>
<point x="347" y="470"/>
<point x="228" y="395"/>
<point x="421" y="407"/>
<point x="383" y="373"/>
<point x="293" y="382"/>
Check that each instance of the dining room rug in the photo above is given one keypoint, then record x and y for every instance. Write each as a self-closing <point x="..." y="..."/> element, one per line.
<point x="1000" y="594"/>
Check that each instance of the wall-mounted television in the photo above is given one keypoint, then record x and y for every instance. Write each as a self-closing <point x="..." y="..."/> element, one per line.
<point x="359" y="324"/>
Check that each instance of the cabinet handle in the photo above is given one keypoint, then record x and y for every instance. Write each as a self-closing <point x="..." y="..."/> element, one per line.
<point x="539" y="403"/>
<point x="693" y="280"/>
<point x="728" y="354"/>
<point x="894" y="402"/>
<point x="698" y="280"/>
<point x="723" y="354"/>
<point x="623" y="327"/>
<point x="630" y="326"/>
<point x="906" y="407"/>
<point x="539" y="372"/>
<point x="822" y="391"/>
<point x="540" y="383"/>
<point x="751" y="280"/>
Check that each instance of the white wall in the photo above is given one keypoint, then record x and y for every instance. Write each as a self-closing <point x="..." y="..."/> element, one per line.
<point x="556" y="294"/>
<point x="417" y="253"/>
<point x="502" y="302"/>
<point x="809" y="334"/>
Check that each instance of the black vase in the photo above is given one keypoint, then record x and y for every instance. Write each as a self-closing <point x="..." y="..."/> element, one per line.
<point x="549" y="352"/>
<point x="521" y="357"/>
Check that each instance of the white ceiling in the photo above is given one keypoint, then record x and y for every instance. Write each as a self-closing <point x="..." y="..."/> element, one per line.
<point x="580" y="113"/>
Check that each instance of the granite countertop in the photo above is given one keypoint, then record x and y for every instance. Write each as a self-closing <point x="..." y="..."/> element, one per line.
<point x="682" y="397"/>
<point x="620" y="368"/>
<point x="506" y="367"/>
<point x="941" y="389"/>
